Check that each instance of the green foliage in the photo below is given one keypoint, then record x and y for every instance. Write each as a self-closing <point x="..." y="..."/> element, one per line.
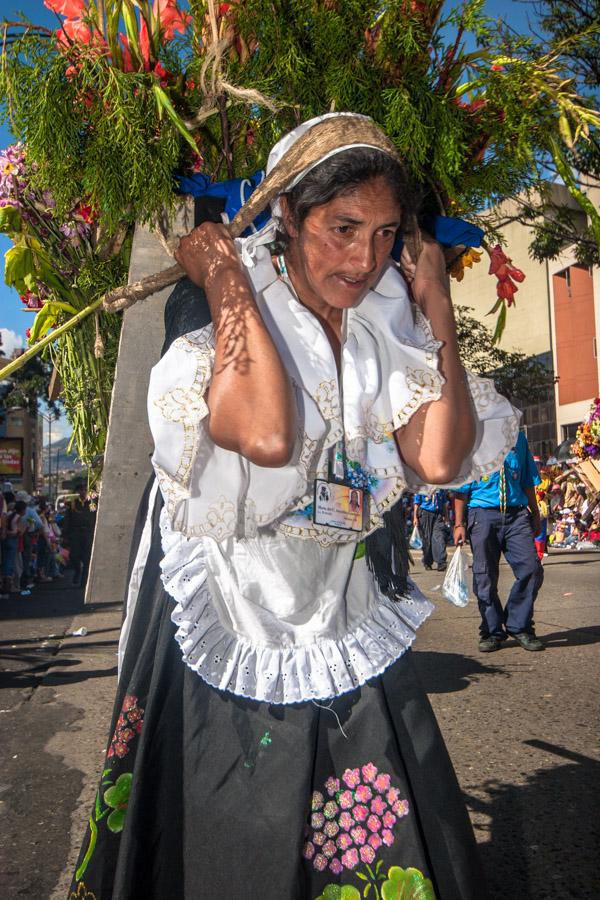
<point x="515" y="375"/>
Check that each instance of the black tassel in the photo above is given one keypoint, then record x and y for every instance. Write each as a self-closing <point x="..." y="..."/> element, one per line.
<point x="387" y="553"/>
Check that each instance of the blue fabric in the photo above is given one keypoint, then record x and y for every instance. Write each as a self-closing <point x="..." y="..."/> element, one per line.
<point x="448" y="231"/>
<point x="9" y="556"/>
<point x="521" y="472"/>
<point x="491" y="533"/>
<point x="235" y="192"/>
<point x="432" y="502"/>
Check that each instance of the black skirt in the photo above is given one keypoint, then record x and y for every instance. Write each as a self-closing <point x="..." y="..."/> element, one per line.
<point x="205" y="795"/>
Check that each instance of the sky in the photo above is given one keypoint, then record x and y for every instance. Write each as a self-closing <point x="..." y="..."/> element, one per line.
<point x="13" y="320"/>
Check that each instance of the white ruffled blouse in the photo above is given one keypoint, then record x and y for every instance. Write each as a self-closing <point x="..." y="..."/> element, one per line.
<point x="269" y="605"/>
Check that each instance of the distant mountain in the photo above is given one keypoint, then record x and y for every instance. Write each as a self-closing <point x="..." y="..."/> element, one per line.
<point x="66" y="460"/>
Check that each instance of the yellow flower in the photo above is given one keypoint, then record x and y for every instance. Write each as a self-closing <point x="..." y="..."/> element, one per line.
<point x="8" y="168"/>
<point x="464" y="261"/>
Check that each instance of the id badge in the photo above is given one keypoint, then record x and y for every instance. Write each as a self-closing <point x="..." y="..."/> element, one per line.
<point x="338" y="505"/>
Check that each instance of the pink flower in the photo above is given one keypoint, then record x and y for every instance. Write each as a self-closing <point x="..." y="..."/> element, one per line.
<point x="320" y="862"/>
<point x="319" y="838"/>
<point x="369" y="772"/>
<point x="367" y="854"/>
<point x="378" y="806"/>
<point x="308" y="851"/>
<point x="360" y="812"/>
<point x="363" y="793"/>
<point x="346" y="821"/>
<point x="332" y="786"/>
<point x="351" y="777"/>
<point x="350" y="858"/>
<point x="331" y="829"/>
<point x="331" y="809"/>
<point x="382" y="783"/>
<point x="401" y="808"/>
<point x="346" y="800"/>
<point x="387" y="837"/>
<point x="317" y="820"/>
<point x="359" y="835"/>
<point x="344" y="841"/>
<point x="392" y="795"/>
<point x="72" y="9"/>
<point x="373" y="823"/>
<point x="389" y="820"/>
<point x="375" y="841"/>
<point x="329" y="849"/>
<point x="172" y="19"/>
<point x="335" y="866"/>
<point x="316" y="801"/>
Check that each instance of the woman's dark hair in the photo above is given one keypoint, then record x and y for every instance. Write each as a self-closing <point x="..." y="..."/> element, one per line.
<point x="342" y="174"/>
<point x="20" y="507"/>
<point x="9" y="497"/>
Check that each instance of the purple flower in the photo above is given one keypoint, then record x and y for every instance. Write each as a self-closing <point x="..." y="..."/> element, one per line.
<point x="363" y="793"/>
<point x="320" y="862"/>
<point x="350" y="858"/>
<point x="360" y="812"/>
<point x="329" y="849"/>
<point x="351" y="777"/>
<point x="367" y="854"/>
<point x="378" y="806"/>
<point x="317" y="820"/>
<point x="335" y="866"/>
<point x="331" y="829"/>
<point x="387" y="837"/>
<point x="369" y="772"/>
<point x="359" y="835"/>
<point x="316" y="801"/>
<point x="319" y="838"/>
<point x="346" y="800"/>
<point x="308" y="851"/>
<point x="346" y="821"/>
<point x="400" y="807"/>
<point x="375" y="841"/>
<point x="331" y="809"/>
<point x="344" y="841"/>
<point x="332" y="786"/>
<point x="374" y="823"/>
<point x="382" y="783"/>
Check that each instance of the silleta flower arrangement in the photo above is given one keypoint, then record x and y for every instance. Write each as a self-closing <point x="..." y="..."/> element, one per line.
<point x="587" y="440"/>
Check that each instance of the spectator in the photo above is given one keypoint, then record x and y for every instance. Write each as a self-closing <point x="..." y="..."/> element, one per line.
<point x="29" y="538"/>
<point x="16" y="524"/>
<point x="500" y="516"/>
<point x="78" y="529"/>
<point x="429" y="513"/>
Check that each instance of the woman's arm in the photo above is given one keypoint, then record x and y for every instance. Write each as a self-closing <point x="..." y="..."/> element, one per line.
<point x="250" y="399"/>
<point x="440" y="435"/>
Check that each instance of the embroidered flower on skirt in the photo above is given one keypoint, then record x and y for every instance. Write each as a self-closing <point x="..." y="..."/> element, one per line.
<point x="129" y="725"/>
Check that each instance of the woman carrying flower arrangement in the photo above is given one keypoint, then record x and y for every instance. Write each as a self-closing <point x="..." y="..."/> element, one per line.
<point x="281" y="746"/>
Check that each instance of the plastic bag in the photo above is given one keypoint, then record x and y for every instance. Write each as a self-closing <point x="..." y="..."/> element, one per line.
<point x="415" y="542"/>
<point x="455" y="588"/>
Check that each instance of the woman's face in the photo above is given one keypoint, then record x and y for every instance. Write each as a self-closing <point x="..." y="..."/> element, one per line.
<point x="338" y="252"/>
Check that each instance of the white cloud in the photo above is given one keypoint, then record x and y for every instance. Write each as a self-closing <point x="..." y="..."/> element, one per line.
<point x="10" y="340"/>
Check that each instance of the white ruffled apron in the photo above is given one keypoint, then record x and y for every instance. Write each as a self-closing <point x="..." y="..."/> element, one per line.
<point x="269" y="605"/>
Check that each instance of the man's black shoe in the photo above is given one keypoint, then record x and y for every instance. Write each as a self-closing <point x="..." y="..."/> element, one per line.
<point x="442" y="567"/>
<point x="428" y="568"/>
<point x="528" y="640"/>
<point x="490" y="643"/>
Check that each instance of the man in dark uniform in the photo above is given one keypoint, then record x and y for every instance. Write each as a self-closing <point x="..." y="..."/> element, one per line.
<point x="429" y="513"/>
<point x="78" y="530"/>
<point x="499" y="514"/>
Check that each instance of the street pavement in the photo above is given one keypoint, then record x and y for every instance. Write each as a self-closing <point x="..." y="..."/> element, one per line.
<point x="521" y="727"/>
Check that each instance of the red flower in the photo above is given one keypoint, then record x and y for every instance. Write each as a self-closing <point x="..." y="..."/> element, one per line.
<point x="28" y="333"/>
<point x="172" y="19"/>
<point x="73" y="9"/>
<point x="506" y="290"/>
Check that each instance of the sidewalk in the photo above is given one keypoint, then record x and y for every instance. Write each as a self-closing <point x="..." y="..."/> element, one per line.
<point x="522" y="730"/>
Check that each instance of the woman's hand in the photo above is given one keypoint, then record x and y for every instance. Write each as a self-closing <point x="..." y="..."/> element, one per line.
<point x="427" y="272"/>
<point x="206" y="253"/>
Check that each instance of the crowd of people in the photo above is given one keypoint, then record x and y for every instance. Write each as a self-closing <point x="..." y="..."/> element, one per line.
<point x="38" y="542"/>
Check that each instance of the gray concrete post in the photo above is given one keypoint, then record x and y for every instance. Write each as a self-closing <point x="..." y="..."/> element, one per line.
<point x="129" y="445"/>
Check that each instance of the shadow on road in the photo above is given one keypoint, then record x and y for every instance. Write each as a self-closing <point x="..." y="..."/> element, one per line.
<point x="544" y="834"/>
<point x="573" y="637"/>
<point x="444" y="673"/>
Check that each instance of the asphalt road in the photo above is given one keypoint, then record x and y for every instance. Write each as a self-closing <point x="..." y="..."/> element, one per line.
<point x="522" y="730"/>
